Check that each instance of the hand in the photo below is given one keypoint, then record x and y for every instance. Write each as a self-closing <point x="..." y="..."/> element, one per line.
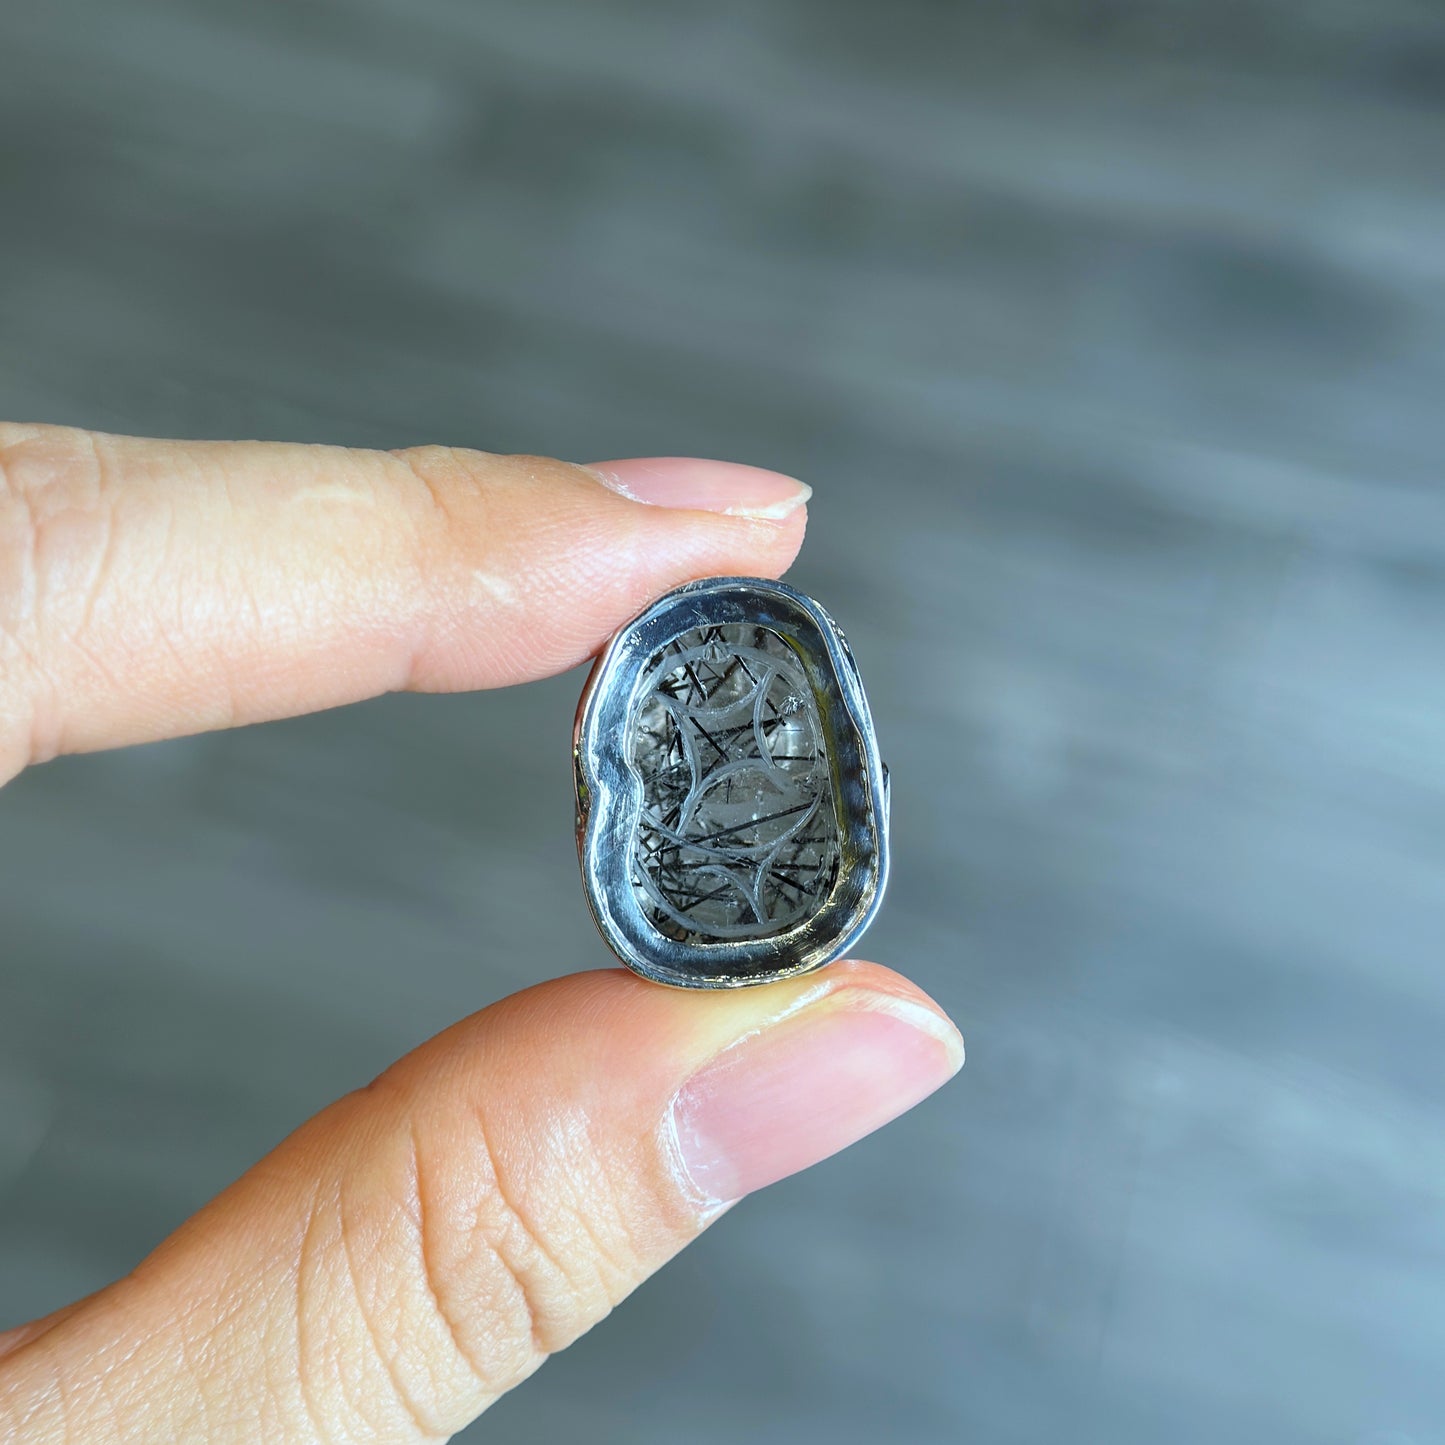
<point x="423" y="1244"/>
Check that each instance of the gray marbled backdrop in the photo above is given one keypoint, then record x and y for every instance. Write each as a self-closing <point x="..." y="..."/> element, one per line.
<point x="1112" y="337"/>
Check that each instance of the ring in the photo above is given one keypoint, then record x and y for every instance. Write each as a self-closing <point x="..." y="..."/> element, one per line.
<point x="732" y="809"/>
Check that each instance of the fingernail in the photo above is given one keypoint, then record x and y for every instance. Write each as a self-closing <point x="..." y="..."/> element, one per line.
<point x="726" y="487"/>
<point x="792" y="1094"/>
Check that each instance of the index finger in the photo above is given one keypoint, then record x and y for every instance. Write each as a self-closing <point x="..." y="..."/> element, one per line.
<point x="154" y="588"/>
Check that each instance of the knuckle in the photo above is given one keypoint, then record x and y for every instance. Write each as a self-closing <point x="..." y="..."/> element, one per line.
<point x="439" y="1272"/>
<point x="19" y="539"/>
<point x="482" y="1262"/>
<point x="513" y="1264"/>
<point x="550" y="1236"/>
<point x="445" y="474"/>
<point x="55" y="533"/>
<point x="446" y="504"/>
<point x="456" y="476"/>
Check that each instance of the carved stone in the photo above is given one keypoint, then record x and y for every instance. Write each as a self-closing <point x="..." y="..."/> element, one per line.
<point x="737" y="836"/>
<point x="732" y="810"/>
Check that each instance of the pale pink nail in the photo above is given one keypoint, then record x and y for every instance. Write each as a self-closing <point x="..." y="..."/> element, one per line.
<point x="704" y="486"/>
<point x="786" y="1097"/>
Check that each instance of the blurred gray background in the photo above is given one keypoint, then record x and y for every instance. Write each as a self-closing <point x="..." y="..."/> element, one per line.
<point x="1111" y="334"/>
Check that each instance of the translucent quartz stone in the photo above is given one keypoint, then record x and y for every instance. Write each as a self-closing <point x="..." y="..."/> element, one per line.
<point x="737" y="836"/>
<point x="732" y="807"/>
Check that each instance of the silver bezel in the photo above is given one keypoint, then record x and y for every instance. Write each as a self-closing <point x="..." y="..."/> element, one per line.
<point x="609" y="791"/>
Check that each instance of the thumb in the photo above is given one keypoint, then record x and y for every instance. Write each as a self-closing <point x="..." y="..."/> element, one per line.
<point x="423" y="1244"/>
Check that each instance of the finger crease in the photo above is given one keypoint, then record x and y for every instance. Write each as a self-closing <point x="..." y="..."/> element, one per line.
<point x="505" y="1250"/>
<point x="95" y="589"/>
<point x="386" y="1358"/>
<point x="428" y="1269"/>
<point x="303" y="1269"/>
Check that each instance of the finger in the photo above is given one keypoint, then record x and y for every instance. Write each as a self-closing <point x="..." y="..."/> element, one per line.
<point x="154" y="588"/>
<point x="422" y="1245"/>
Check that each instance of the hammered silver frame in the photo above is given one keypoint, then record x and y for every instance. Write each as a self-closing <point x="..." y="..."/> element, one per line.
<point x="609" y="790"/>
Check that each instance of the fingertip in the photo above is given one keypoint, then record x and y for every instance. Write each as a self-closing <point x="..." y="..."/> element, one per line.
<point x="566" y="554"/>
<point x="886" y="984"/>
<point x="699" y="484"/>
<point x="861" y="1048"/>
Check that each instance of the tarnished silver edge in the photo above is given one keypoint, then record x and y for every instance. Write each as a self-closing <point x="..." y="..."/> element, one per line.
<point x="604" y="871"/>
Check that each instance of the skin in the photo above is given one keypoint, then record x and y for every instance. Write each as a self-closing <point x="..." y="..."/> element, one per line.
<point x="420" y="1246"/>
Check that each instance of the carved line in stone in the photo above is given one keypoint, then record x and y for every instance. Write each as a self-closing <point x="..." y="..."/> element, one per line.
<point x="721" y="710"/>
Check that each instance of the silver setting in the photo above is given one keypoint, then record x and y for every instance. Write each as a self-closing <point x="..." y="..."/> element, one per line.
<point x="732" y="809"/>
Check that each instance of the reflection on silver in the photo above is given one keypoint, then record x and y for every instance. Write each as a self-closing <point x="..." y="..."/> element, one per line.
<point x="732" y="811"/>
